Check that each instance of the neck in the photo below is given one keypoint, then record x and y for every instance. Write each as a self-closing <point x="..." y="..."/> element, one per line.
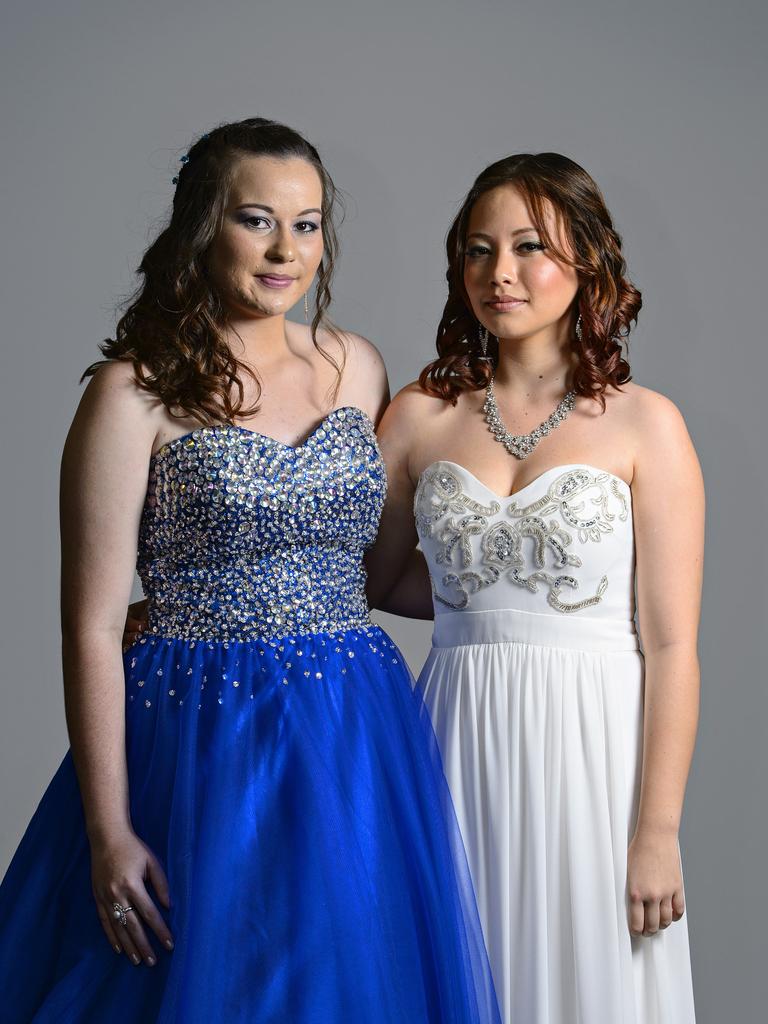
<point x="258" y="340"/>
<point x="538" y="367"/>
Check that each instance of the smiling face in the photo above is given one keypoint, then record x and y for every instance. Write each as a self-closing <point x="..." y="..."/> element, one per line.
<point x="516" y="288"/>
<point x="271" y="241"/>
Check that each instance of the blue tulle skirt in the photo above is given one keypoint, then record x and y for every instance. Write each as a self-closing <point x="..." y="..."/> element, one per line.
<point x="293" y="792"/>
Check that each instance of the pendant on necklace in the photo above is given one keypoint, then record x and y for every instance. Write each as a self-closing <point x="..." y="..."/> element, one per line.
<point x="521" y="445"/>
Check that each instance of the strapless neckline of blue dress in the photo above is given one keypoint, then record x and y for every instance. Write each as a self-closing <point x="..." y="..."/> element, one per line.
<point x="342" y="412"/>
<point x="281" y="767"/>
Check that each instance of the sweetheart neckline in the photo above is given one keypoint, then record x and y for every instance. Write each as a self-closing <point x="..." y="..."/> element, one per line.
<point x="500" y="497"/>
<point x="257" y="433"/>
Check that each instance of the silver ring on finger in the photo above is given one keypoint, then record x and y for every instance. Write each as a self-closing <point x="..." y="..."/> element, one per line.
<point x="119" y="913"/>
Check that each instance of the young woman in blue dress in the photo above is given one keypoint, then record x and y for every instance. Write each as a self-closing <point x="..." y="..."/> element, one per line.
<point x="252" y="824"/>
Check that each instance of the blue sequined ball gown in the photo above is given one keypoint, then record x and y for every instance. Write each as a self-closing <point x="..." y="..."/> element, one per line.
<point x="281" y="767"/>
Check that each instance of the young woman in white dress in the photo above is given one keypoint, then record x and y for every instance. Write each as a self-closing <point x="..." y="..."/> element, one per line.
<point x="567" y="749"/>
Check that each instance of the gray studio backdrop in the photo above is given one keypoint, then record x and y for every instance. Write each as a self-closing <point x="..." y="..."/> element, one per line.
<point x="408" y="101"/>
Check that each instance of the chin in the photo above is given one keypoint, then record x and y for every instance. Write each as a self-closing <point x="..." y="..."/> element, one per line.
<point x="515" y="331"/>
<point x="262" y="306"/>
<point x="276" y="301"/>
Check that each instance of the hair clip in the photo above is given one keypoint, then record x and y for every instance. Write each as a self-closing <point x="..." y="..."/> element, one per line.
<point x="185" y="159"/>
<point x="182" y="160"/>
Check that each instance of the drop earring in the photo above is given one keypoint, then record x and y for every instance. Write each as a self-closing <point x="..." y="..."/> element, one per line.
<point x="306" y="307"/>
<point x="578" y="331"/>
<point x="483" y="334"/>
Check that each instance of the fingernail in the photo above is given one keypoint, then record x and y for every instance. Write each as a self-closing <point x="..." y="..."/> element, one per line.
<point x="168" y="944"/>
<point x="135" y="958"/>
<point x="118" y="949"/>
<point x="151" y="961"/>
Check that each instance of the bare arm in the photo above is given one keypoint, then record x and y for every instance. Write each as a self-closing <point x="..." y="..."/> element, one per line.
<point x="103" y="482"/>
<point x="668" y="500"/>
<point x="397" y="577"/>
<point x="398" y="581"/>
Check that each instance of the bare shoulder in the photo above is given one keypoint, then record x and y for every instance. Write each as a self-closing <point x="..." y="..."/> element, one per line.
<point x="364" y="381"/>
<point x="357" y="349"/>
<point x="363" y="350"/>
<point x="365" y="362"/>
<point x="657" y="431"/>
<point x="413" y="400"/>
<point x="116" y="377"/>
<point x="412" y="407"/>
<point x="113" y="400"/>
<point x="114" y="384"/>
<point x="646" y="401"/>
<point x="647" y="414"/>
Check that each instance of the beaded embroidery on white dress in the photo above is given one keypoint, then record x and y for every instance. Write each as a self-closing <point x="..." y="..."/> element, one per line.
<point x="535" y="687"/>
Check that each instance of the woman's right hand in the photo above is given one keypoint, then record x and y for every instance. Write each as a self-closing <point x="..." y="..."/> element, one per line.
<point x="135" y="623"/>
<point x="120" y="868"/>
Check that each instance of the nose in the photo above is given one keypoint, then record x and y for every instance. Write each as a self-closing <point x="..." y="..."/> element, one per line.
<point x="282" y="249"/>
<point x="503" y="269"/>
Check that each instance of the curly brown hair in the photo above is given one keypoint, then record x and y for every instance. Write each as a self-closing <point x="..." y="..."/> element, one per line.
<point x="173" y="328"/>
<point x="606" y="300"/>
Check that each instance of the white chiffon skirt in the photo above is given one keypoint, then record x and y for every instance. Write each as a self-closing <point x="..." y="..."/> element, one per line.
<point x="542" y="742"/>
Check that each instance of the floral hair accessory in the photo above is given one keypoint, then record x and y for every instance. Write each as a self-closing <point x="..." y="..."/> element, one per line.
<point x="185" y="159"/>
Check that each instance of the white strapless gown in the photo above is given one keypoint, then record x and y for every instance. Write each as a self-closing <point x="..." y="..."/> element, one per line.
<point x="535" y="685"/>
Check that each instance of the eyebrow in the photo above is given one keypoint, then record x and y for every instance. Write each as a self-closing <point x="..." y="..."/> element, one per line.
<point x="268" y="209"/>
<point x="518" y="231"/>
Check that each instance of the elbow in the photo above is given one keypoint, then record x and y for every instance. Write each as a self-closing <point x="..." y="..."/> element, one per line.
<point x="677" y="650"/>
<point x="76" y="636"/>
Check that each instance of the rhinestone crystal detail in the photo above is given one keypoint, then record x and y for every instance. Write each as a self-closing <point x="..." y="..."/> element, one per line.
<point x="531" y="547"/>
<point x="244" y="537"/>
<point x="521" y="445"/>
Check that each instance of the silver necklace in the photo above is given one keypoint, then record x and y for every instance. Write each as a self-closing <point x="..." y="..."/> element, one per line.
<point x="521" y="445"/>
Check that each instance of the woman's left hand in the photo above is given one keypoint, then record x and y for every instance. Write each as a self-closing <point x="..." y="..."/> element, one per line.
<point x="654" y="882"/>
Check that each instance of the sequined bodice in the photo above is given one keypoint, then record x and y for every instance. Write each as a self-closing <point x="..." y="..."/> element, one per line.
<point x="562" y="545"/>
<point x="244" y="537"/>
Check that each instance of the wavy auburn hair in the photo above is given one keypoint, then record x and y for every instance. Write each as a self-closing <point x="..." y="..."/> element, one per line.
<point x="606" y="300"/>
<point x="173" y="327"/>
